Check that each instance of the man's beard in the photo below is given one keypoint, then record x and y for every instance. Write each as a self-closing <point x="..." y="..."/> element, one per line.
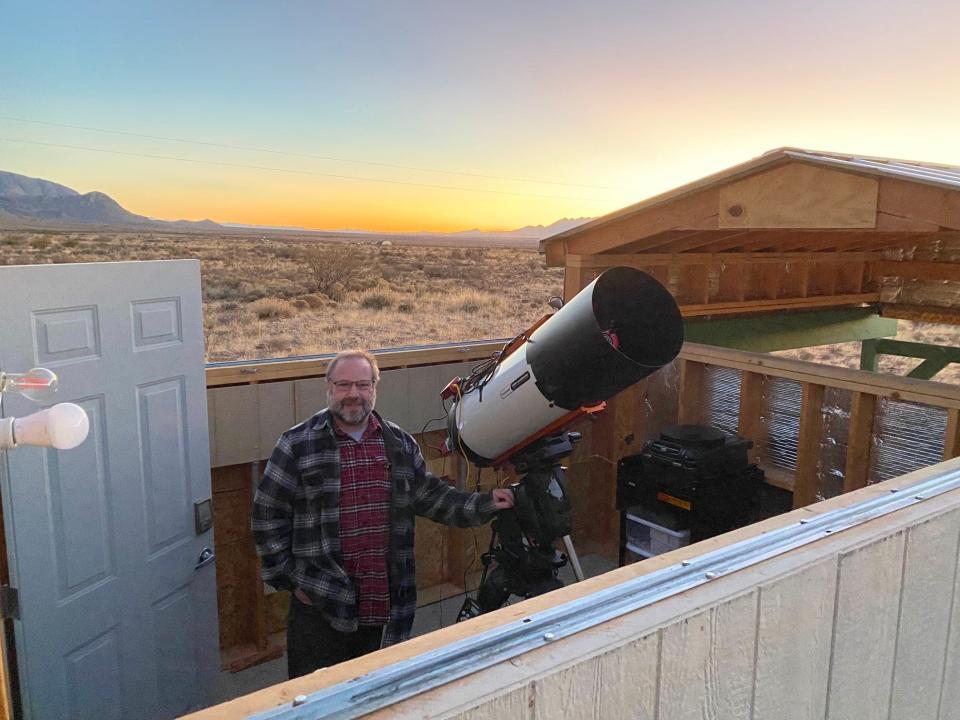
<point x="354" y="413"/>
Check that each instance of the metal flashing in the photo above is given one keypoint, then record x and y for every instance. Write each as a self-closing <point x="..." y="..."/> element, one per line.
<point x="391" y="684"/>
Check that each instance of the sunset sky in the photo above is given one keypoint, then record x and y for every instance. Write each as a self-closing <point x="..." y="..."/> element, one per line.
<point x="447" y="115"/>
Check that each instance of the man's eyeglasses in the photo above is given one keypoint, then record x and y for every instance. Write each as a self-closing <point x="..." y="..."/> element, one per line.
<point x="345" y="385"/>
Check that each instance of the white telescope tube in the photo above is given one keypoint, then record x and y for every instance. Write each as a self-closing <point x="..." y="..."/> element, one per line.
<point x="620" y="328"/>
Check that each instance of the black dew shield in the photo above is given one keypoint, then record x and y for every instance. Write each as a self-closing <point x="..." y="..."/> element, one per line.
<point x="620" y="328"/>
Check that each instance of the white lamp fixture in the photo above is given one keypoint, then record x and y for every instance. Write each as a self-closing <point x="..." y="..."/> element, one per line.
<point x="63" y="426"/>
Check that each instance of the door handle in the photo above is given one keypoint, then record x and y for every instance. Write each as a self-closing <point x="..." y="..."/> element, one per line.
<point x="206" y="557"/>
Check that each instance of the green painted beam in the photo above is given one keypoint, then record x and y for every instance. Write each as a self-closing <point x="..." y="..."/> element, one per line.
<point x="868" y="355"/>
<point x="905" y="348"/>
<point x="927" y="369"/>
<point x="935" y="357"/>
<point x="789" y="330"/>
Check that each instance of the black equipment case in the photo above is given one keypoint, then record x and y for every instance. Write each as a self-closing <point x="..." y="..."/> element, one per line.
<point x="698" y="476"/>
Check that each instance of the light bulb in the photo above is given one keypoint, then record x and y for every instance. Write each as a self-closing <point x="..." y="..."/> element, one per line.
<point x="64" y="426"/>
<point x="38" y="384"/>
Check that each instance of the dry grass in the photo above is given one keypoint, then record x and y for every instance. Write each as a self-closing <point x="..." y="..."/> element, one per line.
<point x="294" y="296"/>
<point x="848" y="354"/>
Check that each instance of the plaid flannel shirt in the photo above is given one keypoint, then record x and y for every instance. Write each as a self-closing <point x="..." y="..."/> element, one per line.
<point x="296" y="520"/>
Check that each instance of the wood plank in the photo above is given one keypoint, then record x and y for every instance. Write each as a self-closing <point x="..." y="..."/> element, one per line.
<point x="632" y="669"/>
<point x="919" y="202"/>
<point x="572" y="281"/>
<point x="275" y="406"/>
<point x="924" y="622"/>
<point x="808" y="445"/>
<point x="641" y="260"/>
<point x="704" y="659"/>
<point x="750" y="423"/>
<point x="950" y="691"/>
<point x="691" y="392"/>
<point x="573" y="692"/>
<point x="865" y="629"/>
<point x="886" y="222"/>
<point x="917" y="270"/>
<point x="921" y="313"/>
<point x="260" y="371"/>
<point x="604" y="529"/>
<point x="859" y="441"/>
<point x="629" y="420"/>
<point x="693" y="210"/>
<point x="764" y="305"/>
<point x="951" y="443"/>
<point x="515" y="704"/>
<point x="484" y="686"/>
<point x="798" y="195"/>
<point x="921" y="391"/>
<point x="237" y="442"/>
<point x="794" y="636"/>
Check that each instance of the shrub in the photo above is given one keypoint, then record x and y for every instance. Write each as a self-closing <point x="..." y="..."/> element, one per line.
<point x="315" y="301"/>
<point x="471" y="301"/>
<point x="40" y="243"/>
<point x="273" y="308"/>
<point x="376" y="300"/>
<point x="332" y="265"/>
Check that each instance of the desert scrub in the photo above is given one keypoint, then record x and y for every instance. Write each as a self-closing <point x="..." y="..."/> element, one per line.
<point x="269" y="308"/>
<point x="314" y="300"/>
<point x="376" y="299"/>
<point x="472" y="301"/>
<point x="346" y="265"/>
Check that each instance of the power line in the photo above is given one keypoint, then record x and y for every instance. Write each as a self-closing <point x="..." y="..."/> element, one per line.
<point x="300" y="154"/>
<point x="295" y="172"/>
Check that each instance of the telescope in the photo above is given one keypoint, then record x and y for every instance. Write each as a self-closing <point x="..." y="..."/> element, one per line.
<point x="514" y="408"/>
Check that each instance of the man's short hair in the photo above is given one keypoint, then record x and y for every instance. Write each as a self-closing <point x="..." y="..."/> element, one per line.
<point x="356" y="353"/>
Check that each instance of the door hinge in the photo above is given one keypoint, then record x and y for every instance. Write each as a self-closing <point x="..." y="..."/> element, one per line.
<point x="9" y="603"/>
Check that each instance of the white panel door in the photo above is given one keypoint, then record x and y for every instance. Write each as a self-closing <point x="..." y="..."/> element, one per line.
<point x="116" y="618"/>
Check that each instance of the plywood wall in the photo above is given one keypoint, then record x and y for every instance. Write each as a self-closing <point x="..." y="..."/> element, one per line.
<point x="865" y="624"/>
<point x="246" y="420"/>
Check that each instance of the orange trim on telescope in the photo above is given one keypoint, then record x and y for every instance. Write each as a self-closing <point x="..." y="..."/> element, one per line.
<point x="551" y="428"/>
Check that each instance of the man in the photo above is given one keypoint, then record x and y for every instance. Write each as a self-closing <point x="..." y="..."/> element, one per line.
<point x="333" y="521"/>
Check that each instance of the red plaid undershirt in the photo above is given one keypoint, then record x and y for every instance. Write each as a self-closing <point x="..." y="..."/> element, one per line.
<point x="365" y="519"/>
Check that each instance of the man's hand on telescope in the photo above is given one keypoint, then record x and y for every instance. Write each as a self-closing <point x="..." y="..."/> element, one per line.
<point x="502" y="498"/>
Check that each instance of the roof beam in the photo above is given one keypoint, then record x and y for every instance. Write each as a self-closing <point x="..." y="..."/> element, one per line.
<point x="919" y="203"/>
<point x="695" y="212"/>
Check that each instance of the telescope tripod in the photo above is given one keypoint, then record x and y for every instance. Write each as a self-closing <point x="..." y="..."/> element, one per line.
<point x="524" y="537"/>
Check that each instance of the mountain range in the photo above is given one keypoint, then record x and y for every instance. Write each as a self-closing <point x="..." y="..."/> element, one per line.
<point x="33" y="200"/>
<point x="26" y="199"/>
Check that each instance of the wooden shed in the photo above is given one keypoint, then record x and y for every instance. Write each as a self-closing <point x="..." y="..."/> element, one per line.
<point x="838" y="241"/>
<point x="793" y="248"/>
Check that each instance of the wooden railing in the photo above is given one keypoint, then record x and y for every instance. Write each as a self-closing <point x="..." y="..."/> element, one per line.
<point x="257" y="401"/>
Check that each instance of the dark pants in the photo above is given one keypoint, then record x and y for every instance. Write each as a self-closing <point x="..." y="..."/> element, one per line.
<point x="313" y="644"/>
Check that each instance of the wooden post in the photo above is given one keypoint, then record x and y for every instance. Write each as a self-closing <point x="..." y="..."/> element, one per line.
<point x="691" y="392"/>
<point x="749" y="424"/>
<point x="859" y="441"/>
<point x="951" y="444"/>
<point x="603" y="481"/>
<point x="808" y="445"/>
<point x="572" y="281"/>
<point x="868" y="354"/>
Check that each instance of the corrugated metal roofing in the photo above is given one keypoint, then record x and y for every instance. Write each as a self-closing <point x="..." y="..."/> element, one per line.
<point x="945" y="176"/>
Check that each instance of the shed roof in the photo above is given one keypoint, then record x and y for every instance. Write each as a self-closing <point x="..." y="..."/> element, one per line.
<point x="840" y="204"/>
